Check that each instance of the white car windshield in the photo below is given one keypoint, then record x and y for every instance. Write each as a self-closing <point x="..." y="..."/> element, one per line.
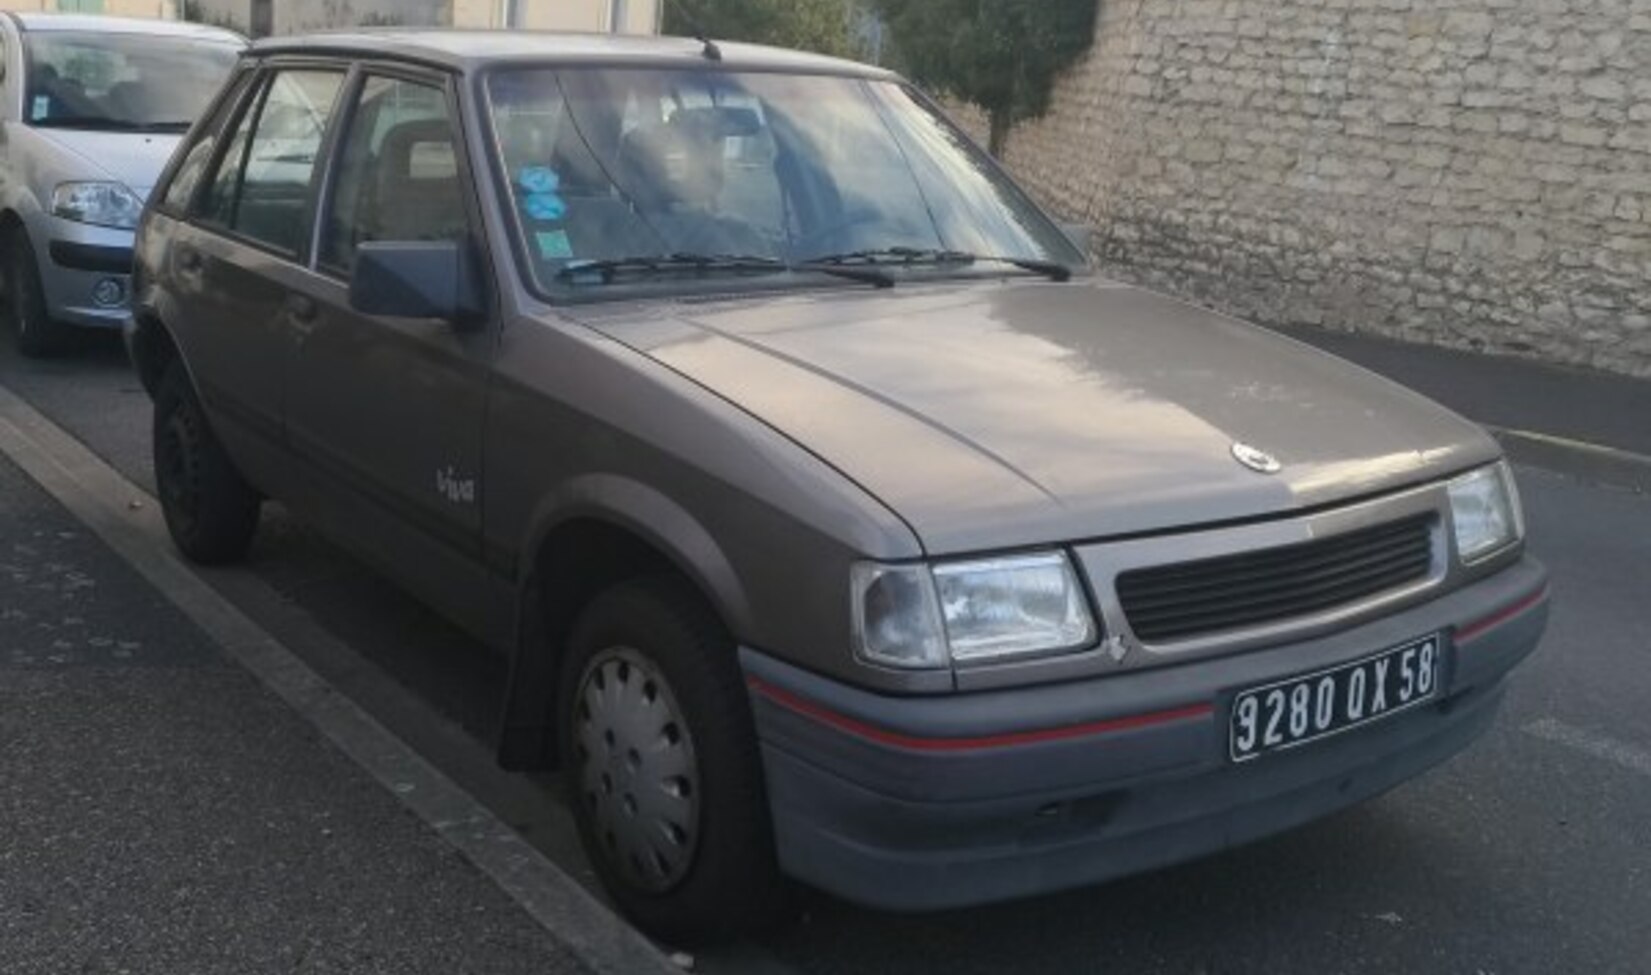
<point x="707" y="171"/>
<point x="121" y="82"/>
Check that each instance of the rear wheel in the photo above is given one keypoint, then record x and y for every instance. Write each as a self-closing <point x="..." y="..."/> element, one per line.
<point x="211" y="511"/>
<point x="38" y="336"/>
<point x="662" y="767"/>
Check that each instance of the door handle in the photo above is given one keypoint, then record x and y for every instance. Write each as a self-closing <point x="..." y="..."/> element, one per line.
<point x="302" y="308"/>
<point x="189" y="259"/>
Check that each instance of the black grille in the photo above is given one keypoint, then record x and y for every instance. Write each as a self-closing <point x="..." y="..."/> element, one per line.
<point x="1171" y="602"/>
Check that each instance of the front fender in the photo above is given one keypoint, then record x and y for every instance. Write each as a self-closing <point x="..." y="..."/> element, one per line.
<point x="627" y="503"/>
<point x="527" y="737"/>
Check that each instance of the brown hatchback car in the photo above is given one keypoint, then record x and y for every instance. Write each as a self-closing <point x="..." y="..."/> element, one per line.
<point x="838" y="523"/>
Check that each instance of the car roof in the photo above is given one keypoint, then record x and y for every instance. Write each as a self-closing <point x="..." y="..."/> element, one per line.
<point x="92" y="23"/>
<point x="471" y="49"/>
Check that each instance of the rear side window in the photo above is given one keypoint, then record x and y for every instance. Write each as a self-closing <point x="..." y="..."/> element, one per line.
<point x="261" y="188"/>
<point x="188" y="175"/>
<point x="398" y="177"/>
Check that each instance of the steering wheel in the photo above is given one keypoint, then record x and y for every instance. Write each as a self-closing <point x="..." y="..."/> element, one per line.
<point x="803" y="245"/>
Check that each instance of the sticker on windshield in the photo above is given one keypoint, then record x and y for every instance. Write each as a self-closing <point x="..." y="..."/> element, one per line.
<point x="541" y="201"/>
<point x="41" y="108"/>
<point x="544" y="206"/>
<point x="538" y="179"/>
<point x="553" y="245"/>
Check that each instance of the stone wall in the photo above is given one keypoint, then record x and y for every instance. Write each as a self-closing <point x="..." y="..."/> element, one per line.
<point x="1474" y="173"/>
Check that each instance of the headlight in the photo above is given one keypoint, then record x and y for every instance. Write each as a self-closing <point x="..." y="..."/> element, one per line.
<point x="979" y="610"/>
<point x="1484" y="506"/>
<point x="102" y="204"/>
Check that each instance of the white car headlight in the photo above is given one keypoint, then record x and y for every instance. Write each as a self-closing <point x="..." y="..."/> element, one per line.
<point x="965" y="612"/>
<point x="1484" y="506"/>
<point x="102" y="204"/>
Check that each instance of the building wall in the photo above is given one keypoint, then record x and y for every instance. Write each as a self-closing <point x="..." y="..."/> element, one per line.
<point x="295" y="16"/>
<point x="118" y="8"/>
<point x="1475" y="173"/>
<point x="635" y="16"/>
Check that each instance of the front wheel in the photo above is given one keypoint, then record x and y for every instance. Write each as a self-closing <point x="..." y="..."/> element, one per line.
<point x="38" y="336"/>
<point x="662" y="767"/>
<point x="211" y="512"/>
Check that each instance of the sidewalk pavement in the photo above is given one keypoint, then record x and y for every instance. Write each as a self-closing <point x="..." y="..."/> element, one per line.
<point x="161" y="811"/>
<point x="1579" y="421"/>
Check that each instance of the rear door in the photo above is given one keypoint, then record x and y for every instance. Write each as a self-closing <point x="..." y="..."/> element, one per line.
<point x="235" y="263"/>
<point x="390" y="410"/>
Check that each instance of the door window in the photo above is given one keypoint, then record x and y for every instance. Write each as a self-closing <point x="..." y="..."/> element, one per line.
<point x="261" y="189"/>
<point x="188" y="175"/>
<point x="398" y="177"/>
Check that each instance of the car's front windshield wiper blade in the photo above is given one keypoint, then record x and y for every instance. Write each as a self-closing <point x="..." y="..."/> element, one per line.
<point x="1053" y="270"/>
<point x="102" y="123"/>
<point x="908" y="256"/>
<point x="894" y="255"/>
<point x="608" y="268"/>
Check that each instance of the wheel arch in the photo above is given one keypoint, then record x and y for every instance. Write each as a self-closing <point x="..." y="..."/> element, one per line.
<point x="598" y="532"/>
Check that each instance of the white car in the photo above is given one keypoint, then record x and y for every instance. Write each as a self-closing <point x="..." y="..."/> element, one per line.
<point x="92" y="108"/>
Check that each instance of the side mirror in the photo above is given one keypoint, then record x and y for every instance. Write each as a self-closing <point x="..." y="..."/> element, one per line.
<point x="1079" y="234"/>
<point x="418" y="279"/>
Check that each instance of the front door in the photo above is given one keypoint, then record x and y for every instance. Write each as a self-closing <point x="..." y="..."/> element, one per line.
<point x="389" y="411"/>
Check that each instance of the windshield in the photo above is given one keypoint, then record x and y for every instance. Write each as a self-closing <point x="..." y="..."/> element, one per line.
<point x="122" y="82"/>
<point x="626" y="167"/>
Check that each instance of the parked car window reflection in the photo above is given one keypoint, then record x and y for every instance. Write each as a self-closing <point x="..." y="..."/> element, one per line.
<point x="195" y="160"/>
<point x="262" y="186"/>
<point x="143" y="82"/>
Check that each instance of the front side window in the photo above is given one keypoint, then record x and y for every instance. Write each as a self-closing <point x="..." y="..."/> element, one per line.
<point x="398" y="177"/>
<point x="261" y="189"/>
<point x="635" y="166"/>
<point x="121" y="82"/>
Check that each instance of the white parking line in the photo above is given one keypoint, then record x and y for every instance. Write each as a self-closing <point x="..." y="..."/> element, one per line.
<point x="1628" y="756"/>
<point x="128" y="520"/>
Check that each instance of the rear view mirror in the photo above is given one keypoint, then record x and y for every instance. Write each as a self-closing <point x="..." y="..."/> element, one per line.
<point x="417" y="279"/>
<point x="719" y="122"/>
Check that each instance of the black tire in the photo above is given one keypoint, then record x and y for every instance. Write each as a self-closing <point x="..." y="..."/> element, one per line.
<point x="721" y="879"/>
<point x="211" y="511"/>
<point x="38" y="336"/>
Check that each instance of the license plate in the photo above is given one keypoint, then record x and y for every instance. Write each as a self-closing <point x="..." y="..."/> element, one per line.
<point x="1301" y="709"/>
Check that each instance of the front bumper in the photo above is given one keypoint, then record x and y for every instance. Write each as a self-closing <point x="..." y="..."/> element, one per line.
<point x="934" y="802"/>
<point x="79" y="264"/>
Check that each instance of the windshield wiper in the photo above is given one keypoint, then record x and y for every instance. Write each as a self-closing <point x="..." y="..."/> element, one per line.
<point x="609" y="268"/>
<point x="911" y="256"/>
<point x="102" y="124"/>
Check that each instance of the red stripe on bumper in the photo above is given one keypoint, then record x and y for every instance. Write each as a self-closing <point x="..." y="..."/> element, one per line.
<point x="883" y="736"/>
<point x="1479" y="627"/>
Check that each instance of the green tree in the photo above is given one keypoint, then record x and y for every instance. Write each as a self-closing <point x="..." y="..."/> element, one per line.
<point x="1003" y="55"/>
<point x="824" y="26"/>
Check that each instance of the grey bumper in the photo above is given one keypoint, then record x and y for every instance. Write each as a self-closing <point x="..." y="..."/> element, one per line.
<point x="926" y="803"/>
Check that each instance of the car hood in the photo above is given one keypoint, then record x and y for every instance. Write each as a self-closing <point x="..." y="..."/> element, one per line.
<point x="1005" y="414"/>
<point x="133" y="158"/>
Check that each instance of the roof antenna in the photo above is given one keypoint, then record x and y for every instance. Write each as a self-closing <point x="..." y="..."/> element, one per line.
<point x="710" y="51"/>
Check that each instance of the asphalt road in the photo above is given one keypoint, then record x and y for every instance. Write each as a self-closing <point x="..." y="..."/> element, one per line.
<point x="1529" y="853"/>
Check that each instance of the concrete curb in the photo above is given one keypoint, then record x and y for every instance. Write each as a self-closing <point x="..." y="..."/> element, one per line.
<point x="128" y="520"/>
<point x="1589" y="461"/>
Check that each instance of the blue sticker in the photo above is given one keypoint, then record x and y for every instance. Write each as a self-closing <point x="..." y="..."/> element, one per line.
<point x="42" y="106"/>
<point x="544" y="206"/>
<point x="553" y="245"/>
<point x="538" y="179"/>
